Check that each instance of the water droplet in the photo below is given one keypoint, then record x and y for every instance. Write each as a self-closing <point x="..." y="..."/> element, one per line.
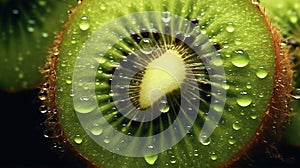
<point x="166" y="16"/>
<point x="248" y="86"/>
<point x="30" y="29"/>
<point x="255" y="2"/>
<point x="296" y="93"/>
<point x="151" y="159"/>
<point x="96" y="130"/>
<point x="196" y="153"/>
<point x="244" y="100"/>
<point x="294" y="19"/>
<point x="42" y="95"/>
<point x="261" y="73"/>
<point x="163" y="106"/>
<point x="106" y="140"/>
<point x="253" y="117"/>
<point x="240" y="58"/>
<point x="84" y="23"/>
<point x="102" y="7"/>
<point x="217" y="61"/>
<point x="231" y="140"/>
<point x="213" y="157"/>
<point x="69" y="80"/>
<point x="146" y="46"/>
<point x="43" y="108"/>
<point x="230" y="27"/>
<point x="78" y="139"/>
<point x="205" y="140"/>
<point x="84" y="104"/>
<point x="236" y="125"/>
<point x="45" y="35"/>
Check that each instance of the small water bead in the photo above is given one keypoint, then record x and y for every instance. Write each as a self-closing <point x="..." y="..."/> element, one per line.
<point x="261" y="73"/>
<point x="163" y="106"/>
<point x="296" y="93"/>
<point x="240" y="58"/>
<point x="231" y="140"/>
<point x="255" y="2"/>
<point x="42" y="95"/>
<point x="230" y="27"/>
<point x="236" y="125"/>
<point x="84" y="104"/>
<point x="213" y="156"/>
<point x="146" y="46"/>
<point x="151" y="159"/>
<point x="106" y="140"/>
<point x="244" y="100"/>
<point x="43" y="108"/>
<point x="78" y="139"/>
<point x="166" y="16"/>
<point x="96" y="130"/>
<point x="205" y="140"/>
<point x="69" y="80"/>
<point x="84" y="23"/>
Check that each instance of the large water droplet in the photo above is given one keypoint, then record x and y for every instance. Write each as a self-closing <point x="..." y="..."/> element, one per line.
<point x="151" y="159"/>
<point x="78" y="139"/>
<point x="296" y="93"/>
<point x="84" y="23"/>
<point x="236" y="125"/>
<point x="244" y="99"/>
<point x="84" y="104"/>
<point x="255" y="2"/>
<point x="205" y="140"/>
<point x="166" y="16"/>
<point x="96" y="130"/>
<point x="261" y="73"/>
<point x="163" y="106"/>
<point x="146" y="46"/>
<point x="240" y="58"/>
<point x="230" y="27"/>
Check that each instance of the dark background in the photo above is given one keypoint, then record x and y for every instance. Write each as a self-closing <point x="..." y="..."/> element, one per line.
<point x="22" y="144"/>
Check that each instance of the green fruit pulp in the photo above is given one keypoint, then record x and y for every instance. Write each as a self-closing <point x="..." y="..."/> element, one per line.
<point x="247" y="55"/>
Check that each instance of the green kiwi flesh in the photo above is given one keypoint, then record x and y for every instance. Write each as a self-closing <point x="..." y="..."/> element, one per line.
<point x="27" y="33"/>
<point x="245" y="45"/>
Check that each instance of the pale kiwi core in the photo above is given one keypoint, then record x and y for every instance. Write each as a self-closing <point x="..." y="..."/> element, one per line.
<point x="163" y="75"/>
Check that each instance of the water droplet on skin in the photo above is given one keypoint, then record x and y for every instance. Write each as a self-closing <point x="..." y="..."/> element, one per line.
<point x="146" y="46"/>
<point x="236" y="126"/>
<point x="230" y="27"/>
<point x="102" y="7"/>
<point x="244" y="100"/>
<point x="261" y="73"/>
<point x="296" y="93"/>
<point x="78" y="139"/>
<point x="45" y="35"/>
<point x="84" y="104"/>
<point x="166" y="16"/>
<point x="84" y="23"/>
<point x="255" y="2"/>
<point x="231" y="140"/>
<point x="213" y="157"/>
<point x="30" y="29"/>
<point x="69" y="80"/>
<point x="205" y="140"/>
<point x="240" y="58"/>
<point x="42" y="95"/>
<point x="151" y="159"/>
<point x="96" y="130"/>
<point x="253" y="117"/>
<point x="163" y="106"/>
<point x="106" y="140"/>
<point x="43" y="109"/>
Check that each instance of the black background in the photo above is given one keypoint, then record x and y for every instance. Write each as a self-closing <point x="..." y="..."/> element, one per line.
<point x="22" y="144"/>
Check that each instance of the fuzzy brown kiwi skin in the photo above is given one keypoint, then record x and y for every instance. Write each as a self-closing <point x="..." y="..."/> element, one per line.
<point x="58" y="135"/>
<point x="263" y="142"/>
<point x="268" y="135"/>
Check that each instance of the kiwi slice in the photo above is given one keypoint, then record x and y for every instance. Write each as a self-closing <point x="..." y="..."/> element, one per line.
<point x="167" y="83"/>
<point x="286" y="18"/>
<point x="27" y="33"/>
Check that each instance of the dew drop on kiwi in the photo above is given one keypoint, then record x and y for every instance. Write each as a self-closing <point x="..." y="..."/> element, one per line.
<point x="84" y="23"/>
<point x="240" y="58"/>
<point x="261" y="73"/>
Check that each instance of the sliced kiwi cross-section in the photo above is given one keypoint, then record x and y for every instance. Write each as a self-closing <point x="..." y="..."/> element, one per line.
<point x="166" y="83"/>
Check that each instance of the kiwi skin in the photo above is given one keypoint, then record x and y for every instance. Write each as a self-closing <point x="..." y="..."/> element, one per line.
<point x="267" y="135"/>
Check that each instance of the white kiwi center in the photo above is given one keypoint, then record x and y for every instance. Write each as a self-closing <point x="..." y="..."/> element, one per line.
<point x="162" y="76"/>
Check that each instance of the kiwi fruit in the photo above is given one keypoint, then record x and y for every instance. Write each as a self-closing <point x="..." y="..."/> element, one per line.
<point x="27" y="32"/>
<point x="166" y="84"/>
<point x="286" y="18"/>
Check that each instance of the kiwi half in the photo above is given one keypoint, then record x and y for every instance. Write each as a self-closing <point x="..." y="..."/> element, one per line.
<point x="167" y="83"/>
<point x="27" y="33"/>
